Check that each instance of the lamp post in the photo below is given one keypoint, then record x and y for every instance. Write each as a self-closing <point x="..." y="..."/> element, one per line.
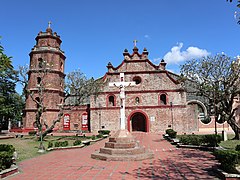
<point x="171" y="105"/>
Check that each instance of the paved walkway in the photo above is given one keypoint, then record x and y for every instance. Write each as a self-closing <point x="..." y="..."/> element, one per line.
<point x="168" y="163"/>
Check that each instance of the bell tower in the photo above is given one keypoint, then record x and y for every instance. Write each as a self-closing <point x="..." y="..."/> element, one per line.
<point x="46" y="71"/>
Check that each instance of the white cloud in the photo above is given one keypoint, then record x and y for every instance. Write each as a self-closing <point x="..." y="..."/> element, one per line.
<point x="176" y="56"/>
<point x="147" y="36"/>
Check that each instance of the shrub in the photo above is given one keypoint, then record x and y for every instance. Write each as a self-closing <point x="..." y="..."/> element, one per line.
<point x="103" y="132"/>
<point x="191" y="140"/>
<point x="77" y="142"/>
<point x="6" y="154"/>
<point x="32" y="133"/>
<point x="5" y="160"/>
<point x="211" y="139"/>
<point x="61" y="144"/>
<point x="237" y="148"/>
<point x="50" y="144"/>
<point x="99" y="136"/>
<point x="7" y="147"/>
<point x="228" y="159"/>
<point x="93" y="137"/>
<point x="171" y="133"/>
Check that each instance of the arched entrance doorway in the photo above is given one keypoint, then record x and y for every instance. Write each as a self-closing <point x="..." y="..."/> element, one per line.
<point x="139" y="122"/>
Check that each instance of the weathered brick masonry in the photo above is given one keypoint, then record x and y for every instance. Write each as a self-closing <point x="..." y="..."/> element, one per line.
<point x="156" y="103"/>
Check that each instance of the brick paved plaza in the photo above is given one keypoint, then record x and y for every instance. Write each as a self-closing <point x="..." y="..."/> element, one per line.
<point x="169" y="163"/>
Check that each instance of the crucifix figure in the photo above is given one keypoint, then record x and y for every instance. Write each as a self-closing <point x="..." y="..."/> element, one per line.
<point x="135" y="43"/>
<point x="121" y="85"/>
<point x="49" y="24"/>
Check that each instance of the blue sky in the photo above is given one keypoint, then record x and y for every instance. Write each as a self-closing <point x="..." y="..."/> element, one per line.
<point x="95" y="32"/>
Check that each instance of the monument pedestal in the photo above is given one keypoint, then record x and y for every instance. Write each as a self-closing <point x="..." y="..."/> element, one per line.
<point x="122" y="147"/>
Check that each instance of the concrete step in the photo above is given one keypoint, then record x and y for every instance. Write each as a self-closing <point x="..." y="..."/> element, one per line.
<point x="120" y="145"/>
<point x="129" y="151"/>
<point x="132" y="157"/>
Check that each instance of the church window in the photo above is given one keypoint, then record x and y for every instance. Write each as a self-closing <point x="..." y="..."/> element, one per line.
<point x="111" y="101"/>
<point x="137" y="79"/>
<point x="39" y="80"/>
<point x="163" y="99"/>
<point x="40" y="63"/>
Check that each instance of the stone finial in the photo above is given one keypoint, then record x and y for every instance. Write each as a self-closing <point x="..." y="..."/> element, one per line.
<point x="49" y="30"/>
<point x="145" y="51"/>
<point x="109" y="65"/>
<point x="162" y="65"/>
<point x="135" y="49"/>
<point x="126" y="54"/>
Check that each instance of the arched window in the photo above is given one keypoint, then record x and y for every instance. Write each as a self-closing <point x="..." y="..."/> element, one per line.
<point x="40" y="63"/>
<point x="163" y="99"/>
<point x="111" y="101"/>
<point x="39" y="80"/>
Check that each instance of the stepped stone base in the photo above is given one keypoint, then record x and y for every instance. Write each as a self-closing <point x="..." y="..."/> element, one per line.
<point x="122" y="147"/>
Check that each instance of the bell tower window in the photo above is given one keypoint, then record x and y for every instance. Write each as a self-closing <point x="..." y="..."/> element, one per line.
<point x="40" y="63"/>
<point x="163" y="99"/>
<point x="39" y="80"/>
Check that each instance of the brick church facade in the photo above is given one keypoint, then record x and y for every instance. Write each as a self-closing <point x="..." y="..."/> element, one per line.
<point x="157" y="102"/>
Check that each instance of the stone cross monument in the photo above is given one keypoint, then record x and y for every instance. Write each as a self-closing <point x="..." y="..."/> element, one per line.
<point x="121" y="85"/>
<point x="122" y="146"/>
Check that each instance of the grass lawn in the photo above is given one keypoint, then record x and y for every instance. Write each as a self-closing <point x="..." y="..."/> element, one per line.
<point x="230" y="144"/>
<point x="27" y="146"/>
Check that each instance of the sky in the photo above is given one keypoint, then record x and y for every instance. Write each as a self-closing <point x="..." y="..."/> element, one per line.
<point x="95" y="32"/>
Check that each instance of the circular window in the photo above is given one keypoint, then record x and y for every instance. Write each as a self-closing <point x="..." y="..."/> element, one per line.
<point x="137" y="79"/>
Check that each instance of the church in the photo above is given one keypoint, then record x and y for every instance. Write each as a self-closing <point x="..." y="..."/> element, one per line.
<point x="156" y="102"/>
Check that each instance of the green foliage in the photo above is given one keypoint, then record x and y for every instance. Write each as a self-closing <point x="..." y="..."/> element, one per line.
<point x="77" y="84"/>
<point x="5" y="160"/>
<point x="171" y="133"/>
<point x="215" y="79"/>
<point x="211" y="139"/>
<point x="208" y="139"/>
<point x="77" y="142"/>
<point x="32" y="133"/>
<point x="7" y="147"/>
<point x="237" y="148"/>
<point x="93" y="137"/>
<point x="191" y="140"/>
<point x="99" y="136"/>
<point x="61" y="144"/>
<point x="6" y="154"/>
<point x="50" y="144"/>
<point x="103" y="132"/>
<point x="228" y="159"/>
<point x="11" y="104"/>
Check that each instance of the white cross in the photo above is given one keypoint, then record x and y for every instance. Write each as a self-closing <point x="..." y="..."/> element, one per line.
<point x="135" y="43"/>
<point x="121" y="85"/>
<point x="49" y="24"/>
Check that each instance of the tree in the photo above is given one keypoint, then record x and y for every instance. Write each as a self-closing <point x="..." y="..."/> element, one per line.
<point x="39" y="96"/>
<point x="8" y="96"/>
<point x="79" y="88"/>
<point x="216" y="78"/>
